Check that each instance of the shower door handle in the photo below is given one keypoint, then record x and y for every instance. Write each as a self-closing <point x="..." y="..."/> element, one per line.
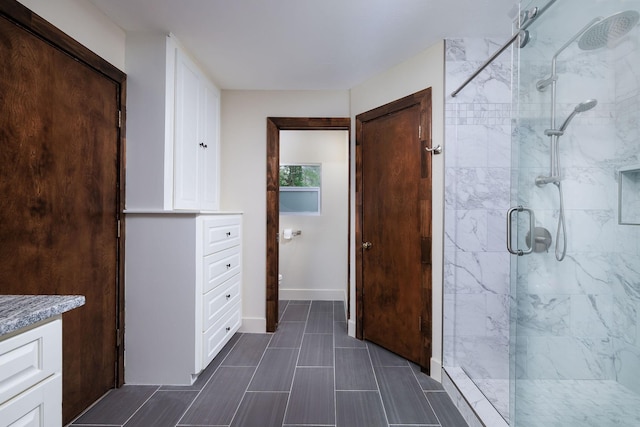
<point x="532" y="226"/>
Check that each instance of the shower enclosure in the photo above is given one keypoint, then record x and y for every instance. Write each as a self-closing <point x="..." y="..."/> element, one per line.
<point x="575" y="340"/>
<point x="571" y="353"/>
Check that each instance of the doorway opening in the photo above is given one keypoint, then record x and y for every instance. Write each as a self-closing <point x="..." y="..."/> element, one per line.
<point x="274" y="126"/>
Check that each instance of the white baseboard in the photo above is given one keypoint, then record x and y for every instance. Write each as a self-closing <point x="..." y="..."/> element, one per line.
<point x="253" y="325"/>
<point x="351" y="328"/>
<point x="312" y="294"/>
<point x="436" y="369"/>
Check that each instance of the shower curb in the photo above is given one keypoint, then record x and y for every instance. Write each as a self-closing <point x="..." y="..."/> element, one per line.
<point x="476" y="410"/>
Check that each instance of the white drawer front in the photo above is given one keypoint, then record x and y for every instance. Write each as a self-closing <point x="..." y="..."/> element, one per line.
<point x="40" y="406"/>
<point x="29" y="358"/>
<point x="217" y="299"/>
<point x="220" y="267"/>
<point x="219" y="334"/>
<point x="221" y="233"/>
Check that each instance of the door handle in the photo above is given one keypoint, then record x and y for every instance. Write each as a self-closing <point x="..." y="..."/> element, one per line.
<point x="532" y="226"/>
<point x="435" y="150"/>
<point x="366" y="245"/>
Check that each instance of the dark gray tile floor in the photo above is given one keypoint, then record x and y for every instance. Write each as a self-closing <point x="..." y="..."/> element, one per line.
<point x="309" y="373"/>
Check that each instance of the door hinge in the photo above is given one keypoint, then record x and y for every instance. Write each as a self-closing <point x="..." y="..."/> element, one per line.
<point x="119" y="226"/>
<point x="118" y="338"/>
<point x="419" y="132"/>
<point x="119" y="119"/>
<point x="420" y="323"/>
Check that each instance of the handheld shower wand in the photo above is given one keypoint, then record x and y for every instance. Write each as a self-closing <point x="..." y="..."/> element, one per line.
<point x="555" y="134"/>
<point x="556" y="177"/>
<point x="580" y="108"/>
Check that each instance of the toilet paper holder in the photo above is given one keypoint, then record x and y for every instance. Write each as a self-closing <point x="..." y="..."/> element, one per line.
<point x="288" y="234"/>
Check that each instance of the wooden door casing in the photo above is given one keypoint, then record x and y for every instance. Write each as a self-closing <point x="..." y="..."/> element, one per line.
<point x="393" y="213"/>
<point x="60" y="180"/>
<point x="274" y="126"/>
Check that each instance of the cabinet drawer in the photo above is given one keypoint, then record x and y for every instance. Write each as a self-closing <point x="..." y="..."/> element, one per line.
<point x="29" y="358"/>
<point x="220" y="267"/>
<point x="215" y="301"/>
<point x="39" y="406"/>
<point x="221" y="233"/>
<point x="219" y="334"/>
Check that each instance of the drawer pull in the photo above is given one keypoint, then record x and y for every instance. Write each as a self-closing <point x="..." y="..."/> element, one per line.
<point x="228" y="296"/>
<point x="228" y="328"/>
<point x="228" y="234"/>
<point x="228" y="265"/>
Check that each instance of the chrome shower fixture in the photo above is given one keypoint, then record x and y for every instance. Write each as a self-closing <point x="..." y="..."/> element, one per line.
<point x="609" y="29"/>
<point x="554" y="173"/>
<point x="596" y="34"/>
<point x="580" y="108"/>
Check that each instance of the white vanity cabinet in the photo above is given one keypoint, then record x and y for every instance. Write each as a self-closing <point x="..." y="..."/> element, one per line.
<point x="173" y="116"/>
<point x="183" y="295"/>
<point x="31" y="377"/>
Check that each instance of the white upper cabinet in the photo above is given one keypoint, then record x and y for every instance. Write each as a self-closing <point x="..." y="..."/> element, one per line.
<point x="173" y="118"/>
<point x="209" y="158"/>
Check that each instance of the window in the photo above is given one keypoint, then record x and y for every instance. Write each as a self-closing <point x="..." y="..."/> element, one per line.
<point x="300" y="189"/>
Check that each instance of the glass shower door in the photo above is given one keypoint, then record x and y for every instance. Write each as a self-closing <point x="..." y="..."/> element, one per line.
<point x="575" y="340"/>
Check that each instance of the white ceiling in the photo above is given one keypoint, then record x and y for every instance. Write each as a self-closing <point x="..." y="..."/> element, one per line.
<point x="308" y="44"/>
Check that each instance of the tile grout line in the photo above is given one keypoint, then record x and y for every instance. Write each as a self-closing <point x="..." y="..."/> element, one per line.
<point x="140" y="407"/>
<point x="295" y="368"/>
<point x="209" y="379"/>
<point x="384" y="409"/>
<point x="333" y="354"/>
<point x="431" y="406"/>
<point x="250" y="380"/>
<point x="424" y="393"/>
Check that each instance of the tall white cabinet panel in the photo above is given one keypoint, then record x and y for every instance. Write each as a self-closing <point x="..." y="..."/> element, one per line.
<point x="172" y="128"/>
<point x="188" y="141"/>
<point x="180" y="311"/>
<point x="210" y="153"/>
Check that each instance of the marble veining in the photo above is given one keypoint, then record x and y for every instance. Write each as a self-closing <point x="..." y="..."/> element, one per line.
<point x="543" y="403"/>
<point x="477" y="196"/>
<point x="20" y="311"/>
<point x="576" y="323"/>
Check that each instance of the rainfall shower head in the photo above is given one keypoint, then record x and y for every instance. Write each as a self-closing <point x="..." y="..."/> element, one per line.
<point x="608" y="29"/>
<point x="599" y="32"/>
<point x="580" y="108"/>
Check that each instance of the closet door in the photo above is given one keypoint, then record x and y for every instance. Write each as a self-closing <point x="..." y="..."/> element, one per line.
<point x="60" y="149"/>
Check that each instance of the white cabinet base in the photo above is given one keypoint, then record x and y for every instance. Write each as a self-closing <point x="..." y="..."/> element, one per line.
<point x="179" y="271"/>
<point x="31" y="377"/>
<point x="39" y="406"/>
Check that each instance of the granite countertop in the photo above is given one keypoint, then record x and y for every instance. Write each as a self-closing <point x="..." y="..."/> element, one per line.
<point x="19" y="311"/>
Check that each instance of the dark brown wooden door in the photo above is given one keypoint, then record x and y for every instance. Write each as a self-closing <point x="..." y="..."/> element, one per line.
<point x="395" y="186"/>
<point x="59" y="172"/>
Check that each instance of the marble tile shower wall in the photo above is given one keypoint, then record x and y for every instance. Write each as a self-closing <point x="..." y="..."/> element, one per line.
<point x="477" y="185"/>
<point x="627" y="274"/>
<point x="578" y="319"/>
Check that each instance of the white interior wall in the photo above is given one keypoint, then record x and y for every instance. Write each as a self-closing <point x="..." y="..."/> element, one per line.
<point x="85" y="23"/>
<point x="314" y="264"/>
<point x="420" y="72"/>
<point x="243" y="142"/>
<point x="244" y="173"/>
